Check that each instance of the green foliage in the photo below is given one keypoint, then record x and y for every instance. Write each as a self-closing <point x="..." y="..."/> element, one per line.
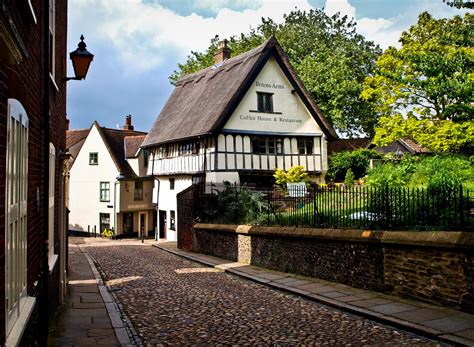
<point x="389" y="174"/>
<point x="358" y="161"/>
<point x="429" y="79"/>
<point x="326" y="52"/>
<point x="435" y="171"/>
<point x="439" y="136"/>
<point x="238" y="205"/>
<point x="295" y="174"/>
<point x="349" y="179"/>
<point x="460" y="3"/>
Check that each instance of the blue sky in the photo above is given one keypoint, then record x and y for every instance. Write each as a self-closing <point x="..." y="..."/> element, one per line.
<point x="138" y="43"/>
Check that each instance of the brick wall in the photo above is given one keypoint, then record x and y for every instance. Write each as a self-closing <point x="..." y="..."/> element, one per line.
<point x="434" y="267"/>
<point x="24" y="82"/>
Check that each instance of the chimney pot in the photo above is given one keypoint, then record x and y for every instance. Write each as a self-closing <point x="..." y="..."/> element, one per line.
<point x="128" y="123"/>
<point x="222" y="53"/>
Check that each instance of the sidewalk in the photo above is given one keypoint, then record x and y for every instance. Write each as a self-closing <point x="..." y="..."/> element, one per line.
<point x="88" y="316"/>
<point x="431" y="321"/>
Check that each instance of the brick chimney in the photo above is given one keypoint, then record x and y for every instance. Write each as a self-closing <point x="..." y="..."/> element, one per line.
<point x="128" y="123"/>
<point x="222" y="53"/>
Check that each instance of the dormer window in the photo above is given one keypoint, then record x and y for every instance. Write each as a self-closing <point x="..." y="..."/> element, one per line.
<point x="264" y="102"/>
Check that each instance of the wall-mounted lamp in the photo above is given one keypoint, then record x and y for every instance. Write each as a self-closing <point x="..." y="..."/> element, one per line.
<point x="81" y="59"/>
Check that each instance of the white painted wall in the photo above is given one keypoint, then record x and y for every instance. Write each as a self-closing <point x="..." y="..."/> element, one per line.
<point x="294" y="118"/>
<point x="84" y="187"/>
<point x="167" y="200"/>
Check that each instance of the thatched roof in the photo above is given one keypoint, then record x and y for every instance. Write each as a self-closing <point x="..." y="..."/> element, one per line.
<point x="203" y="101"/>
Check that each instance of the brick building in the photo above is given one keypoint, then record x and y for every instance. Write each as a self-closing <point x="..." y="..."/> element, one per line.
<point x="32" y="146"/>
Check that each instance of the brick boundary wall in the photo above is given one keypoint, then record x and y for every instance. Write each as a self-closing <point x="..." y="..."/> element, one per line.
<point x="434" y="267"/>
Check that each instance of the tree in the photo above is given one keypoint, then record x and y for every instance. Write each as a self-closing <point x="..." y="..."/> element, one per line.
<point x="430" y="81"/>
<point x="326" y="52"/>
<point x="460" y="3"/>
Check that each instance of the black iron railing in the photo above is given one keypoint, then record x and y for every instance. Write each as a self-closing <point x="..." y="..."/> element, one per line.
<point x="387" y="208"/>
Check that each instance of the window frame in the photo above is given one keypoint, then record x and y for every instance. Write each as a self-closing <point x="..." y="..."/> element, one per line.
<point x="305" y="145"/>
<point x="172" y="183"/>
<point x="52" y="39"/>
<point x="96" y="158"/>
<point x="138" y="191"/>
<point x="265" y="102"/>
<point x="106" y="190"/>
<point x="267" y="145"/>
<point x="172" y="220"/>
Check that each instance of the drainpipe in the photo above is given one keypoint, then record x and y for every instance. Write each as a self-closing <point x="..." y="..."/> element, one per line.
<point x="44" y="311"/>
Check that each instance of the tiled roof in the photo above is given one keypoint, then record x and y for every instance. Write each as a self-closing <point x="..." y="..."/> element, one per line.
<point x="347" y="144"/>
<point x="415" y="148"/>
<point x="74" y="142"/>
<point x="114" y="140"/>
<point x="202" y="102"/>
<point x="132" y="144"/>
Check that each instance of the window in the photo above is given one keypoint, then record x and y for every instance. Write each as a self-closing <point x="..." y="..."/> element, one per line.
<point x="138" y="192"/>
<point x="172" y="220"/>
<point x="188" y="148"/>
<point x="146" y="154"/>
<point x="52" y="176"/>
<point x="16" y="185"/>
<point x="104" y="191"/>
<point x="267" y="145"/>
<point x="52" y="44"/>
<point x="264" y="102"/>
<point x="93" y="158"/>
<point x="305" y="146"/>
<point x="171" y="183"/>
<point x="104" y="219"/>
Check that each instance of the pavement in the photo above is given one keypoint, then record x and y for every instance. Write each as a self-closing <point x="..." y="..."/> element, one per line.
<point x="89" y="315"/>
<point x="447" y="325"/>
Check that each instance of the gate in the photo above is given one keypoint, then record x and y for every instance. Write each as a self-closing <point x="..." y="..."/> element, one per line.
<point x="187" y="204"/>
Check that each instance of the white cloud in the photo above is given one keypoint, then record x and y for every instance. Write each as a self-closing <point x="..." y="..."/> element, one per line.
<point x="341" y="6"/>
<point x="143" y="33"/>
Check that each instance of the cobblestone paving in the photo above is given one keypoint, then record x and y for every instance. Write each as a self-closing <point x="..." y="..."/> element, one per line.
<point x="174" y="301"/>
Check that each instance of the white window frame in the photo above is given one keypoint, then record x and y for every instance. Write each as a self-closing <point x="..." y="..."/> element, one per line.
<point x="105" y="188"/>
<point x="18" y="306"/>
<point x="52" y="257"/>
<point x="52" y="35"/>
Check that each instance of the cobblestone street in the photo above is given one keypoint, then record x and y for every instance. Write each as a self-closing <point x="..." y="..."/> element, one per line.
<point x="171" y="300"/>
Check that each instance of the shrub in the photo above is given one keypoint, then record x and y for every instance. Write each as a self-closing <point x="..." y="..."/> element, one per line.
<point x="388" y="174"/>
<point x="294" y="175"/>
<point x="235" y="205"/>
<point x="349" y="179"/>
<point x="358" y="161"/>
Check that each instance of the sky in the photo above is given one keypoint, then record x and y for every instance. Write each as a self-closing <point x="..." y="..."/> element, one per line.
<point x="137" y="44"/>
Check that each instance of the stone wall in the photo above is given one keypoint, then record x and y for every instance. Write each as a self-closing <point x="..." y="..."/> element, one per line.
<point x="436" y="268"/>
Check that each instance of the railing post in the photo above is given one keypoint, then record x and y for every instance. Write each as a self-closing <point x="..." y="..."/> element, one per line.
<point x="461" y="208"/>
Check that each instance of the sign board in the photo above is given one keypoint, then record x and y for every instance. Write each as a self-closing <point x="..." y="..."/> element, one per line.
<point x="297" y="190"/>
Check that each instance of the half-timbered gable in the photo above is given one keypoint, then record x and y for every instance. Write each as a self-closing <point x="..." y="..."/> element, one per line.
<point x="236" y="121"/>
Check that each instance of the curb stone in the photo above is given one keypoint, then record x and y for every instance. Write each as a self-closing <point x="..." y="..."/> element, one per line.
<point x="117" y="317"/>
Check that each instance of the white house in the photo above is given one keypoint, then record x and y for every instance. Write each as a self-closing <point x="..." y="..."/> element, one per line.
<point x="107" y="187"/>
<point x="236" y="121"/>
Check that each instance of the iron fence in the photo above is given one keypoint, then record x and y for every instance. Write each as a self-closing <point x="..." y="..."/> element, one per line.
<point x="387" y="208"/>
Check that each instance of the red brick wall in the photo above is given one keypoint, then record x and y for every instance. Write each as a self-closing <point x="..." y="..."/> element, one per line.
<point x="24" y="82"/>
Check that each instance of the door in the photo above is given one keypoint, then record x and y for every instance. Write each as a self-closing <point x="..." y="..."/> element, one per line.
<point x="128" y="222"/>
<point x="142" y="224"/>
<point x="162" y="221"/>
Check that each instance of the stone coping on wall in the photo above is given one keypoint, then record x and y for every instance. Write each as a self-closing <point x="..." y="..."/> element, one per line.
<point x="437" y="239"/>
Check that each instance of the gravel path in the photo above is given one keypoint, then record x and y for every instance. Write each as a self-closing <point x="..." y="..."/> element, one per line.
<point x="174" y="301"/>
